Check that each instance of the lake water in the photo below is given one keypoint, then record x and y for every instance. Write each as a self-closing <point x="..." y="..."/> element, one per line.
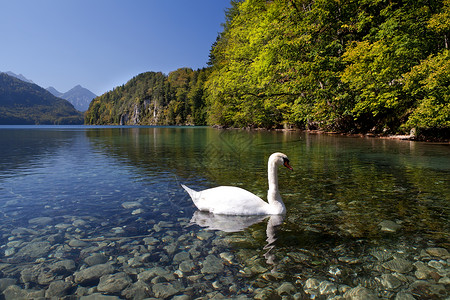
<point x="100" y="210"/>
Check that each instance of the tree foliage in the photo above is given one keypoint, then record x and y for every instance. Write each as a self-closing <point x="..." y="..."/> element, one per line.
<point x="153" y="98"/>
<point x="340" y="65"/>
<point x="329" y="64"/>
<point x="23" y="103"/>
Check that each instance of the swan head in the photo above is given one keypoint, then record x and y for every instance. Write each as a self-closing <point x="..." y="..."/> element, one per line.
<point x="280" y="159"/>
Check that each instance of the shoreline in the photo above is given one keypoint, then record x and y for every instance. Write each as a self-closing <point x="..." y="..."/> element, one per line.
<point x="404" y="137"/>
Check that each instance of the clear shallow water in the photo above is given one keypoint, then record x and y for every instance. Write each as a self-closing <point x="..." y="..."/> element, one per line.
<point x="113" y="188"/>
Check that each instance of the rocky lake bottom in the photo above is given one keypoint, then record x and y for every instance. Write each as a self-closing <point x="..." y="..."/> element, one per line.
<point x="70" y="257"/>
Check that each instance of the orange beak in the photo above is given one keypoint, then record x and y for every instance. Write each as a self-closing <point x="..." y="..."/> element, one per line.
<point x="286" y="164"/>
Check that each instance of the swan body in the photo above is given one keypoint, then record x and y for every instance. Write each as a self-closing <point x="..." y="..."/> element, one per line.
<point x="230" y="200"/>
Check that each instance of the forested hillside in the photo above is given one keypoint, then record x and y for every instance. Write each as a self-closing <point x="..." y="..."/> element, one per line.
<point x="23" y="103"/>
<point x="347" y="66"/>
<point x="336" y="65"/>
<point x="153" y="99"/>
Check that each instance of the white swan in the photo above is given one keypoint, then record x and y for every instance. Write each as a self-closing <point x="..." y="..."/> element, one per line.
<point x="230" y="200"/>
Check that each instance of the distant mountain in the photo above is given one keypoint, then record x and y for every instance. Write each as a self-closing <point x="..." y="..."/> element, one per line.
<point x="20" y="76"/>
<point x="55" y="92"/>
<point x="79" y="96"/>
<point x="23" y="103"/>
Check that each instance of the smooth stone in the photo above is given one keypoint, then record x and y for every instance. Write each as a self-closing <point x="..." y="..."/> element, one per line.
<point x="99" y="297"/>
<point x="34" y="250"/>
<point x="286" y="288"/>
<point x="360" y="293"/>
<point x="422" y="270"/>
<point x="439" y="252"/>
<point x="96" y="259"/>
<point x="78" y="223"/>
<point x="404" y="296"/>
<point x="14" y="292"/>
<point x="62" y="226"/>
<point x="93" y="273"/>
<point x="23" y="231"/>
<point x="114" y="283"/>
<point x="5" y="282"/>
<point x="227" y="256"/>
<point x="181" y="297"/>
<point x="204" y="235"/>
<point x="164" y="290"/>
<point x="399" y="265"/>
<point x="427" y="290"/>
<point x="312" y="284"/>
<point x="327" y="288"/>
<point x="150" y="241"/>
<point x="389" y="226"/>
<point x="131" y="204"/>
<point x="390" y="281"/>
<point x="63" y="266"/>
<point x="435" y="265"/>
<point x="9" y="252"/>
<point x="266" y="293"/>
<point x="58" y="289"/>
<point x="444" y="280"/>
<point x="381" y="255"/>
<point x="181" y="256"/>
<point x="212" y="265"/>
<point x="186" y="266"/>
<point x="40" y="221"/>
<point x="137" y="290"/>
<point x="148" y="275"/>
<point x="77" y="243"/>
<point x="137" y="211"/>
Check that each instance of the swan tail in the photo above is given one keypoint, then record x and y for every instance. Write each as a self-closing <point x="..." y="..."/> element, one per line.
<point x="191" y="193"/>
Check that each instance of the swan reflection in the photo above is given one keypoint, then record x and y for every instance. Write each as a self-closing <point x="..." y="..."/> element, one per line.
<point x="229" y="223"/>
<point x="226" y="223"/>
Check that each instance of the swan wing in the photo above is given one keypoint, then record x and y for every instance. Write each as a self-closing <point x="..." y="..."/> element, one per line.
<point x="229" y="200"/>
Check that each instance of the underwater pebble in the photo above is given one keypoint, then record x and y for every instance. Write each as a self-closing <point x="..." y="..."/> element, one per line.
<point x="389" y="226"/>
<point x="439" y="252"/>
<point x="398" y="265"/>
<point x="131" y="204"/>
<point x="114" y="283"/>
<point x="137" y="211"/>
<point x="93" y="273"/>
<point x="40" y="221"/>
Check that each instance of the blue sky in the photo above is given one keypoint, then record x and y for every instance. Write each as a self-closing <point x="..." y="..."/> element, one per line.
<point x="101" y="44"/>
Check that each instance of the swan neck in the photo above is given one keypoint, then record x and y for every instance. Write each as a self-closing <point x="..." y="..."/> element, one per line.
<point x="272" y="173"/>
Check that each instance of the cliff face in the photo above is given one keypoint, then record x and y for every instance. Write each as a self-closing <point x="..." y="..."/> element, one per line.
<point x="153" y="98"/>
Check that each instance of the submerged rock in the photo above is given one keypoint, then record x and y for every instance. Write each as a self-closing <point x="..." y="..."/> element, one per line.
<point x="212" y="265"/>
<point x="58" y="289"/>
<point x="389" y="226"/>
<point x="40" y="221"/>
<point x="131" y="204"/>
<point x="93" y="274"/>
<point x="14" y="292"/>
<point x="33" y="250"/>
<point x="164" y="290"/>
<point x="399" y="265"/>
<point x="438" y="252"/>
<point x="114" y="283"/>
<point x="96" y="259"/>
<point x="360" y="293"/>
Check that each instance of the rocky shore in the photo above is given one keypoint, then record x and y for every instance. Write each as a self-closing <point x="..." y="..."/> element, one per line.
<point x="72" y="257"/>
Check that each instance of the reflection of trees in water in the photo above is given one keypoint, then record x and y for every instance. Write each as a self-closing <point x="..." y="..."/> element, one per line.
<point x="341" y="185"/>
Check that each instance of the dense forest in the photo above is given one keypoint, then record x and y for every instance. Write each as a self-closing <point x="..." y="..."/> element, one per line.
<point x="153" y="98"/>
<point x="346" y="66"/>
<point x="23" y="103"/>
